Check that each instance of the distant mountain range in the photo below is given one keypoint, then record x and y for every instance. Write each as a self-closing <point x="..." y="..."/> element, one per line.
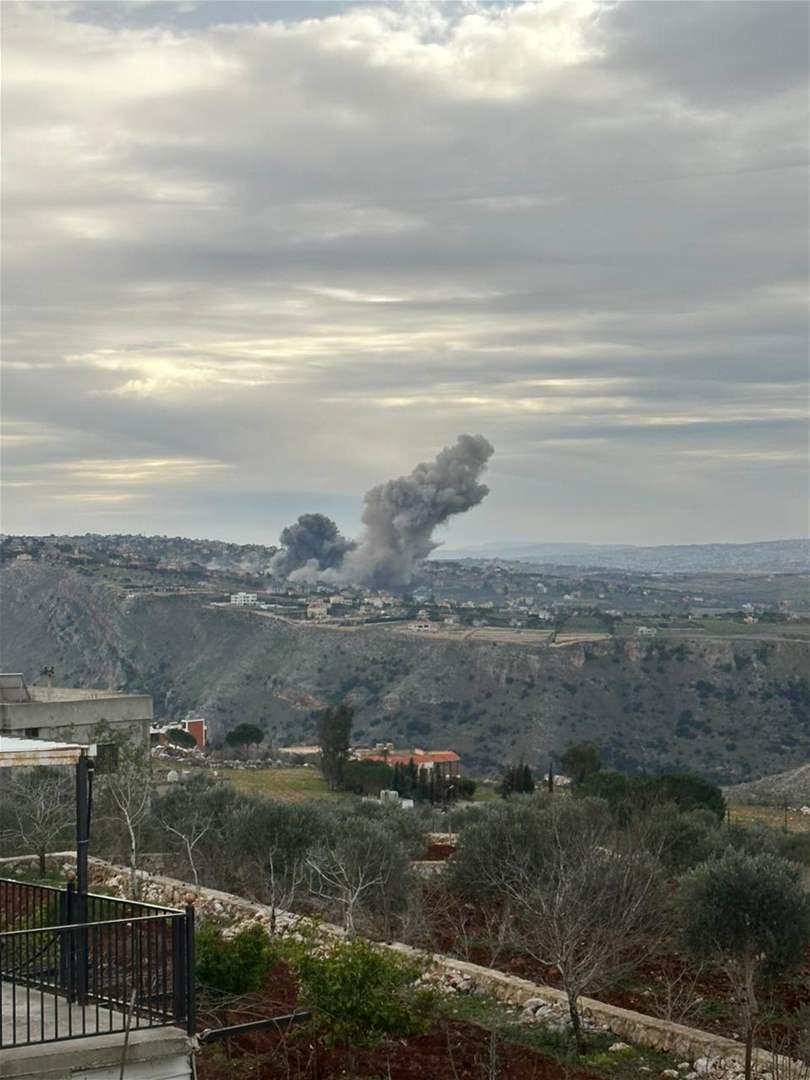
<point x="766" y="556"/>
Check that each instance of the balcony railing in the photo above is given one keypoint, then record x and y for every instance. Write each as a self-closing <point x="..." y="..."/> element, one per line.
<point x="75" y="965"/>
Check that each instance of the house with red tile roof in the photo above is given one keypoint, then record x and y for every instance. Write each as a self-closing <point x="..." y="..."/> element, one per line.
<point x="444" y="763"/>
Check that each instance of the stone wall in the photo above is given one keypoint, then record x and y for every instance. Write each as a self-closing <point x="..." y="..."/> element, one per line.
<point x="711" y="1055"/>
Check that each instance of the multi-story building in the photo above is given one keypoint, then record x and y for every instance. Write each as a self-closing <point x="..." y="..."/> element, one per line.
<point x="71" y="714"/>
<point x="244" y="599"/>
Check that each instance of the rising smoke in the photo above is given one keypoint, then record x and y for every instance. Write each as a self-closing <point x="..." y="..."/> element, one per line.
<point x="310" y="546"/>
<point x="400" y="517"/>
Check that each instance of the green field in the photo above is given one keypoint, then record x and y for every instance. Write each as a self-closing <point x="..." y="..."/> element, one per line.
<point x="295" y="785"/>
<point x="746" y="814"/>
<point x="291" y="785"/>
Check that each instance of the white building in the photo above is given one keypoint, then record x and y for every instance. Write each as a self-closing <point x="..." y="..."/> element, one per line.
<point x="318" y="609"/>
<point x="244" y="599"/>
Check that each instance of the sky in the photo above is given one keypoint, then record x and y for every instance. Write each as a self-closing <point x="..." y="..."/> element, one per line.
<point x="261" y="256"/>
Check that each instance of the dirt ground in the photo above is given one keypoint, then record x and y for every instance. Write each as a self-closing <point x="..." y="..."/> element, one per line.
<point x="451" y="1050"/>
<point x="666" y="985"/>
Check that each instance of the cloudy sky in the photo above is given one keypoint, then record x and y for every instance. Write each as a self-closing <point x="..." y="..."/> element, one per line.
<point x="258" y="257"/>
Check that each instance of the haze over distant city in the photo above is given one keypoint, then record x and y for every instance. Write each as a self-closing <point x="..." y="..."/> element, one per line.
<point x="260" y="258"/>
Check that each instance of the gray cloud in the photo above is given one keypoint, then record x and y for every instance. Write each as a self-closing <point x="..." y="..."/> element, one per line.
<point x="283" y="256"/>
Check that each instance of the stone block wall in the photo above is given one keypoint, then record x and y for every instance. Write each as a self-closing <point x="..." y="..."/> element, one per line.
<point x="712" y="1055"/>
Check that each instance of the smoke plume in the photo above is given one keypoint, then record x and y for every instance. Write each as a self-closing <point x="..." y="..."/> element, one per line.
<point x="399" y="516"/>
<point x="309" y="546"/>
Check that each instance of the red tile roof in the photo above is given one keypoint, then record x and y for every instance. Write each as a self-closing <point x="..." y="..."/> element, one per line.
<point x="422" y="757"/>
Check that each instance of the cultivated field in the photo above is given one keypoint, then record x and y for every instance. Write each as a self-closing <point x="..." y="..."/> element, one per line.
<point x="290" y="785"/>
<point x="768" y="815"/>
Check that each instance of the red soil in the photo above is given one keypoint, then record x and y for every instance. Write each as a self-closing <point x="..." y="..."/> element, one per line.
<point x="437" y="852"/>
<point x="645" y="989"/>
<point x="449" y="1051"/>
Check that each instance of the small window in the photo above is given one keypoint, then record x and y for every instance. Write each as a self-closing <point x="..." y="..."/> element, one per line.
<point x="32" y="733"/>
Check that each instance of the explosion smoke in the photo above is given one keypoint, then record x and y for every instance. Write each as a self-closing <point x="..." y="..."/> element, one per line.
<point x="399" y="517"/>
<point x="310" y="546"/>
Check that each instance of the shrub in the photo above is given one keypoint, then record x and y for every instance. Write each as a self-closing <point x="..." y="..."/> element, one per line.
<point x="366" y="777"/>
<point x="244" y="735"/>
<point x="466" y="787"/>
<point x="239" y="965"/>
<point x="361" y="994"/>
<point x="179" y="737"/>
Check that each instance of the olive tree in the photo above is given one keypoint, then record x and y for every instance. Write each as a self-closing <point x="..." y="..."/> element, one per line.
<point x="498" y="847"/>
<point x="576" y="894"/>
<point x="595" y="906"/>
<point x="751" y="915"/>
<point x="196" y="815"/>
<point x="361" y="867"/>
<point x="270" y="843"/>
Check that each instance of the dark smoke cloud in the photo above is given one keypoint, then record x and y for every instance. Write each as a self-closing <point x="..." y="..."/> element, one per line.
<point x="309" y="546"/>
<point x="400" y="517"/>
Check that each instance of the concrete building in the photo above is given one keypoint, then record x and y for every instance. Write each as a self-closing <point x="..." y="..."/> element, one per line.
<point x="244" y="599"/>
<point x="68" y="714"/>
<point x="196" y="727"/>
<point x="318" y="609"/>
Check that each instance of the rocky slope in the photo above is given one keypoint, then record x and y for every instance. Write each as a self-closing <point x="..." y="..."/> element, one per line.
<point x="791" y="787"/>
<point x="732" y="709"/>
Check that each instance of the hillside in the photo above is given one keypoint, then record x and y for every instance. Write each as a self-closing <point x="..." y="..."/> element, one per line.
<point x="733" y="709"/>
<point x="792" y="787"/>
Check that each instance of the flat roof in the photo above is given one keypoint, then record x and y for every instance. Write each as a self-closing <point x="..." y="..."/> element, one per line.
<point x="17" y="751"/>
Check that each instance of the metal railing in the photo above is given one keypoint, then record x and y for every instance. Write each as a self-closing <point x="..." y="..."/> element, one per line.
<point x="75" y="965"/>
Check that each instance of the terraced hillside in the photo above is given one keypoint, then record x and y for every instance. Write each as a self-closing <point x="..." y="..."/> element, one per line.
<point x="734" y="709"/>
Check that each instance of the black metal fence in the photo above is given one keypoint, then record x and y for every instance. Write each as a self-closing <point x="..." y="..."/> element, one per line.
<point x="74" y="965"/>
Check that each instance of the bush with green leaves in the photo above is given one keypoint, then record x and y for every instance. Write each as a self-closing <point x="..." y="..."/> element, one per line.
<point x="360" y="993"/>
<point x="631" y="796"/>
<point x="245" y="735"/>
<point x="236" y="965"/>
<point x="579" y="761"/>
<point x="366" y="777"/>
<point x="750" y="915"/>
<point x="681" y="839"/>
<point x="181" y="737"/>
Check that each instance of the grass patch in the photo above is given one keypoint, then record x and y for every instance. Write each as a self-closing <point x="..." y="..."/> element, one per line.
<point x="774" y="816"/>
<point x="502" y="1019"/>
<point x="485" y="792"/>
<point x="289" y="785"/>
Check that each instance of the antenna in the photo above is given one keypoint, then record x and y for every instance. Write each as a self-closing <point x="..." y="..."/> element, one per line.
<point x="48" y="672"/>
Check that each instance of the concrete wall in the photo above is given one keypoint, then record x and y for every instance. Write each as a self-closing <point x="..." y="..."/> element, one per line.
<point x="72" y="715"/>
<point x="159" y="1054"/>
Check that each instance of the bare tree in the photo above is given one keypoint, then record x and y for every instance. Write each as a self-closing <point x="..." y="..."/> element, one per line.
<point x="40" y="809"/>
<point x="273" y="840"/>
<point x="361" y="866"/>
<point x="128" y="794"/>
<point x="582" y="899"/>
<point x="593" y="915"/>
<point x="186" y="813"/>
